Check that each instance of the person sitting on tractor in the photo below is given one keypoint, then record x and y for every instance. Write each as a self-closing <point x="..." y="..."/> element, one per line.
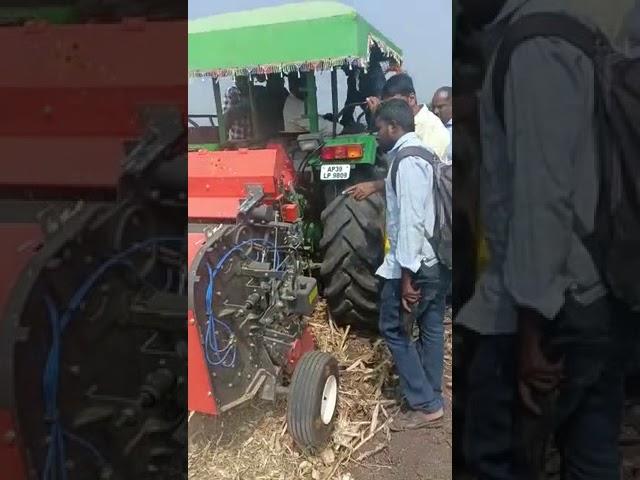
<point x="295" y="118"/>
<point x="237" y="111"/>
<point x="269" y="105"/>
<point x="360" y="86"/>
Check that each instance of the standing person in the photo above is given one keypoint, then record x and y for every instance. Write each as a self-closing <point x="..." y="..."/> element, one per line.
<point x="237" y="110"/>
<point x="428" y="128"/>
<point x="413" y="277"/>
<point x="441" y="104"/>
<point x="547" y="348"/>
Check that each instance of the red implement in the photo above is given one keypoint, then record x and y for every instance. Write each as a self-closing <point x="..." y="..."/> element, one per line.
<point x="218" y="180"/>
<point x="73" y="95"/>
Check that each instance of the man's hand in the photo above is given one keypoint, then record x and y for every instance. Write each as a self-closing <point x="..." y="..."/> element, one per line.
<point x="410" y="295"/>
<point x="363" y="190"/>
<point x="373" y="103"/>
<point x="535" y="370"/>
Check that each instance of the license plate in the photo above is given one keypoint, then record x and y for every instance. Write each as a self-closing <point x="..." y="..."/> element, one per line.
<point x="335" y="172"/>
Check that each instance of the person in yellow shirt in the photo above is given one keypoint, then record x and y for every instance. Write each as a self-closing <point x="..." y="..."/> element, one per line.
<point x="429" y="128"/>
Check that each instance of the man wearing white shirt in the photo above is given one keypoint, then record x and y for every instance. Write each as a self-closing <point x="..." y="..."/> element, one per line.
<point x="411" y="273"/>
<point x="295" y="118"/>
<point x="428" y="127"/>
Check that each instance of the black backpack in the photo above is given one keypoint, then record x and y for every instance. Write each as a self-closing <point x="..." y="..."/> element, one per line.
<point x="615" y="243"/>
<point x="442" y="239"/>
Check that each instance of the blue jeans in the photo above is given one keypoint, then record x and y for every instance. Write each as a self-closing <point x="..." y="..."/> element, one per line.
<point x="420" y="364"/>
<point x="585" y="416"/>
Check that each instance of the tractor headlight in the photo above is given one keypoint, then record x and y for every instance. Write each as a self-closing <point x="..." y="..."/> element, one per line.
<point x="309" y="142"/>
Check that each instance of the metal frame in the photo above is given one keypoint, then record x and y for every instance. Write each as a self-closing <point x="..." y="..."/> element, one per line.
<point x="222" y="127"/>
<point x="311" y="101"/>
<point x="334" y="99"/>
<point x="203" y="115"/>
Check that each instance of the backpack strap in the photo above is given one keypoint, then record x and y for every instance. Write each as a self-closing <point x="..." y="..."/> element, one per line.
<point x="405" y="152"/>
<point x="559" y="25"/>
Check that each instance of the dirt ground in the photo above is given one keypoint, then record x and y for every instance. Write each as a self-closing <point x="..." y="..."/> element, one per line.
<point x="418" y="455"/>
<point x="251" y="442"/>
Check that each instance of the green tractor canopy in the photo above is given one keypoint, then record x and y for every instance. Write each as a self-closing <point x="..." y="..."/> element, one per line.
<point x="301" y="36"/>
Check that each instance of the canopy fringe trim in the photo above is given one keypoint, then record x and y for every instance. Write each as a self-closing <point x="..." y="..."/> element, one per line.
<point x="307" y="66"/>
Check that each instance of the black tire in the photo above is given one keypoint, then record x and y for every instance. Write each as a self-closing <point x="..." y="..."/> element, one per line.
<point x="304" y="420"/>
<point x="353" y="248"/>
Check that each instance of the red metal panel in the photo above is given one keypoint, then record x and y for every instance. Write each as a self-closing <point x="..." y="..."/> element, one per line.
<point x="218" y="180"/>
<point x="18" y="242"/>
<point x="61" y="162"/>
<point x="85" y="83"/>
<point x="213" y="208"/>
<point x="41" y="55"/>
<point x="227" y="173"/>
<point x="12" y="462"/>
<point x="306" y="343"/>
<point x="86" y="111"/>
<point x="200" y="391"/>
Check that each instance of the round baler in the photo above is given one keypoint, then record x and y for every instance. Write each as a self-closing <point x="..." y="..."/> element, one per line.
<point x="250" y="293"/>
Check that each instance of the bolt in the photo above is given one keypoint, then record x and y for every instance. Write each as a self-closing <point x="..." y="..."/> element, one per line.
<point x="209" y="394"/>
<point x="192" y="321"/>
<point x="230" y="385"/>
<point x="75" y="369"/>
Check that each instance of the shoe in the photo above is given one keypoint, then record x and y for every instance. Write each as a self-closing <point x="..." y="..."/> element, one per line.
<point x="415" y="419"/>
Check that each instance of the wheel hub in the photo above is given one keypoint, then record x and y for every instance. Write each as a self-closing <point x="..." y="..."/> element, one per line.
<point x="329" y="400"/>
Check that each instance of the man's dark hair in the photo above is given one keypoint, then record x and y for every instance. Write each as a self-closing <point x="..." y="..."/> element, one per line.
<point x="399" y="84"/>
<point x="448" y="91"/>
<point x="397" y="112"/>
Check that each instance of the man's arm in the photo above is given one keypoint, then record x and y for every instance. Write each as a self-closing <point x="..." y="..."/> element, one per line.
<point x="363" y="190"/>
<point x="548" y="107"/>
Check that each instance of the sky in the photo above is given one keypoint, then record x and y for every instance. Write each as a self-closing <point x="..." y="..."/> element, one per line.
<point x="421" y="28"/>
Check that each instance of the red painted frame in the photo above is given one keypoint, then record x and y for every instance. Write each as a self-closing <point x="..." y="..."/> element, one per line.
<point x="218" y="180"/>
<point x="72" y="95"/>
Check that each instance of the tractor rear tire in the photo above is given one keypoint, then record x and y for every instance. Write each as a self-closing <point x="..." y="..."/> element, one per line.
<point x="313" y="400"/>
<point x="353" y="248"/>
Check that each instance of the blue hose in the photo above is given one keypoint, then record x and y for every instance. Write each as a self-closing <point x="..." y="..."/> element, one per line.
<point x="55" y="460"/>
<point x="215" y="355"/>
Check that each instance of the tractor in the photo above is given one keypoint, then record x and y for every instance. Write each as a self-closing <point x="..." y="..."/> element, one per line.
<point x="270" y="227"/>
<point x="93" y="344"/>
<point x="345" y="237"/>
